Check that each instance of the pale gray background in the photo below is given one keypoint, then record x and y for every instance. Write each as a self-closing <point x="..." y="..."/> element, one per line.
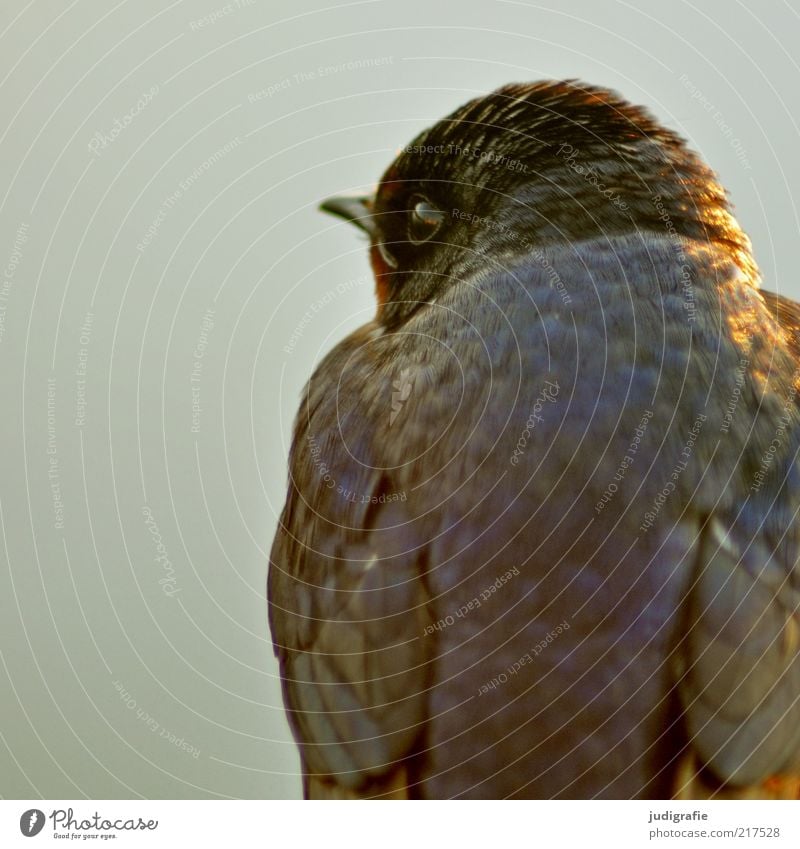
<point x="83" y="613"/>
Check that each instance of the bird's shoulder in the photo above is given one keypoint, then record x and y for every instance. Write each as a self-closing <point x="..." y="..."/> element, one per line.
<point x="738" y="663"/>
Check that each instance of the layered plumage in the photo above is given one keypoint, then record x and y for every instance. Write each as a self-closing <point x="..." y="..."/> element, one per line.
<point x="540" y="538"/>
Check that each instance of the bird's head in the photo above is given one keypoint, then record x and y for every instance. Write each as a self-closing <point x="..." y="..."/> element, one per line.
<point x="523" y="167"/>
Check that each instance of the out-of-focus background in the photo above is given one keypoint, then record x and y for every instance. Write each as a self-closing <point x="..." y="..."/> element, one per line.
<point x="167" y="285"/>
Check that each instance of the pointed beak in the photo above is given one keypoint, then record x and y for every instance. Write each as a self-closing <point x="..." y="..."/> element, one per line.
<point x="356" y="210"/>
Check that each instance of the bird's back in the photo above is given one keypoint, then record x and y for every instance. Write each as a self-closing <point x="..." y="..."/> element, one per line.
<point x="530" y="462"/>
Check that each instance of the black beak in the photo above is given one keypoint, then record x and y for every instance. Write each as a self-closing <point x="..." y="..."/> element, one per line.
<point x="356" y="210"/>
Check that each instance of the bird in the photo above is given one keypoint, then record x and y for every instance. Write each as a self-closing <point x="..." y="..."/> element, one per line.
<point x="540" y="538"/>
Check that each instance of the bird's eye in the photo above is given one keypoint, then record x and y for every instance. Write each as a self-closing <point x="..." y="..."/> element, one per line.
<point x="424" y="220"/>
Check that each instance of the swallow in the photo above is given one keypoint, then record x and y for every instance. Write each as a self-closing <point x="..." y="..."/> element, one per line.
<point x="540" y="538"/>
